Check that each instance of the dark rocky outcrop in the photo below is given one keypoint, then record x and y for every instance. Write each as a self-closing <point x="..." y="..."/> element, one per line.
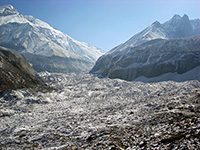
<point x="16" y="72"/>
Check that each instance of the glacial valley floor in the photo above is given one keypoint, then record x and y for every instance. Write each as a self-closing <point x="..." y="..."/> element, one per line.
<point x="81" y="111"/>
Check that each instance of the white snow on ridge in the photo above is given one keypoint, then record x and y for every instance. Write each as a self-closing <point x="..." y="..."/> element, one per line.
<point x="154" y="31"/>
<point x="37" y="22"/>
<point x="43" y="39"/>
<point x="15" y="18"/>
<point x="158" y="31"/>
<point x="7" y="10"/>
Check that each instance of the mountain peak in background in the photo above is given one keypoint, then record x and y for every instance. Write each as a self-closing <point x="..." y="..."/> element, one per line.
<point x="185" y="17"/>
<point x="176" y="17"/>
<point x="47" y="48"/>
<point x="167" y="51"/>
<point x="7" y="10"/>
<point x="157" y="23"/>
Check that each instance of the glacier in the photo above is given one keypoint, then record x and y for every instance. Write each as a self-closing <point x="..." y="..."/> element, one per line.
<point x="82" y="111"/>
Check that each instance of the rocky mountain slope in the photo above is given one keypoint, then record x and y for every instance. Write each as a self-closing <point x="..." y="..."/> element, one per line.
<point x="85" y="112"/>
<point x="16" y="72"/>
<point x="171" y="47"/>
<point x="44" y="46"/>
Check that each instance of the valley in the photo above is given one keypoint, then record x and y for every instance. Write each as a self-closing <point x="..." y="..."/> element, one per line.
<point x="82" y="111"/>
<point x="58" y="93"/>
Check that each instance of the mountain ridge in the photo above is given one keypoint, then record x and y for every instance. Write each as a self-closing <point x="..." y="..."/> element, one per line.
<point x="143" y="55"/>
<point x="162" y="32"/>
<point x="29" y="35"/>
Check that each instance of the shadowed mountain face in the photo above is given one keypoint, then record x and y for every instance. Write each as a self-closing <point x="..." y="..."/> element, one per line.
<point x="36" y="39"/>
<point x="171" y="48"/>
<point x="16" y="72"/>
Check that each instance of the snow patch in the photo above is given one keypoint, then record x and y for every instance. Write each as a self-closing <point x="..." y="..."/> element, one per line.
<point x="190" y="75"/>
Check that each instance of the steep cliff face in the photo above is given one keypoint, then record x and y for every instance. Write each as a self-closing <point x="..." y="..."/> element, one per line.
<point x="171" y="47"/>
<point x="16" y="72"/>
<point x="151" y="59"/>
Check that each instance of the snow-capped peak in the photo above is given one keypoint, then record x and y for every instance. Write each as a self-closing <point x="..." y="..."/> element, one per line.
<point x="7" y="10"/>
<point x="176" y="17"/>
<point x="176" y="20"/>
<point x="32" y="36"/>
<point x="176" y="27"/>
<point x="156" y="23"/>
<point x="6" y="7"/>
<point x="185" y="17"/>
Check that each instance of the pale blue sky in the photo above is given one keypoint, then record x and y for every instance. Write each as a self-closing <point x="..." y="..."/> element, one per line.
<point x="104" y="23"/>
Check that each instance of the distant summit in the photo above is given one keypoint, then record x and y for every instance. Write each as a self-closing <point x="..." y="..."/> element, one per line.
<point x="157" y="24"/>
<point x="7" y="10"/>
<point x="179" y="27"/>
<point x="167" y="51"/>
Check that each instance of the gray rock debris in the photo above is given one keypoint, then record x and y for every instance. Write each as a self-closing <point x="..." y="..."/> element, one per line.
<point x="85" y="112"/>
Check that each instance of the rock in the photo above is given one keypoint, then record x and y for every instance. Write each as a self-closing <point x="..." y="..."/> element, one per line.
<point x="119" y="115"/>
<point x="16" y="72"/>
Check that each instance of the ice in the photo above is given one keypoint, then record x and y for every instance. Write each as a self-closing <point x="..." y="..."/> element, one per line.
<point x="190" y="75"/>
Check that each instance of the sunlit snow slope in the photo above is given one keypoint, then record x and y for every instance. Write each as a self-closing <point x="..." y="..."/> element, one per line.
<point x="39" y="41"/>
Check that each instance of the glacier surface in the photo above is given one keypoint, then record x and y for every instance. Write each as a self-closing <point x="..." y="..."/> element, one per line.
<point x="84" y="112"/>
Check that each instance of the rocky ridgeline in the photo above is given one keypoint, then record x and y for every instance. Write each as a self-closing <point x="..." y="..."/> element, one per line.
<point x="85" y="112"/>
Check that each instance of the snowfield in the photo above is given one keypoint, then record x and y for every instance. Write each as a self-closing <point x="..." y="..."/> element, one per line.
<point x="81" y="111"/>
